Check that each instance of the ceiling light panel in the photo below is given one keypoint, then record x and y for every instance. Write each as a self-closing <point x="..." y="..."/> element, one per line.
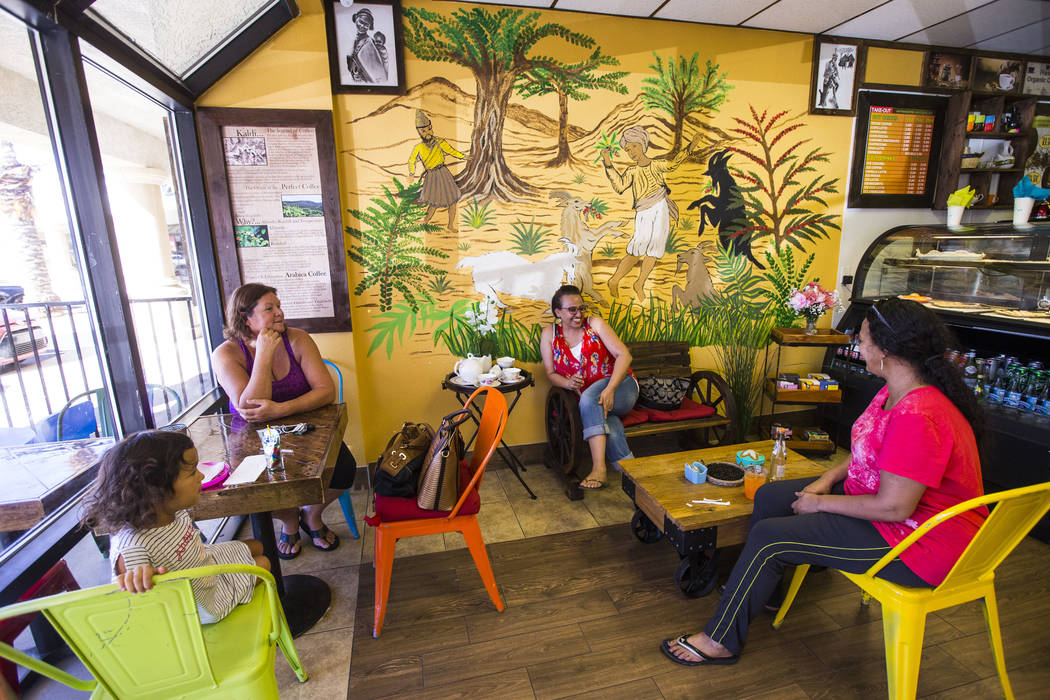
<point x="627" y="8"/>
<point x="898" y="18"/>
<point x="985" y="22"/>
<point x="516" y="3"/>
<point x="808" y="16"/>
<point x="1024" y="40"/>
<point x="711" y="11"/>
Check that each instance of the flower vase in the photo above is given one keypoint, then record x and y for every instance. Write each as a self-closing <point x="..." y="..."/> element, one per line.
<point x="811" y="326"/>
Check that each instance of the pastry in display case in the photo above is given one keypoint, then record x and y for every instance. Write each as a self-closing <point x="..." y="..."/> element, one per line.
<point x="990" y="284"/>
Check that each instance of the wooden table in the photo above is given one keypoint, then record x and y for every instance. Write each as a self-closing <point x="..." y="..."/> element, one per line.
<point x="39" y="477"/>
<point x="660" y="492"/>
<point x="308" y="469"/>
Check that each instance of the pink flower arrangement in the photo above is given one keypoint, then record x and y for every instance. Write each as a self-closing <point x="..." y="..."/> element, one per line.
<point x="812" y="301"/>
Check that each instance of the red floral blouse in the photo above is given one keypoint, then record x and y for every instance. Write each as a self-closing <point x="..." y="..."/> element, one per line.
<point x="596" y="362"/>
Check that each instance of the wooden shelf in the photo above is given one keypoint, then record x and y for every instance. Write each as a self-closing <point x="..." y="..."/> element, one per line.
<point x="994" y="135"/>
<point x="991" y="170"/>
<point x="797" y="337"/>
<point x="802" y="396"/>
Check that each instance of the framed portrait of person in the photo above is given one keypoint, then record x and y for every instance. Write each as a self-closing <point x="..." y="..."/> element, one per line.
<point x="838" y="69"/>
<point x="365" y="46"/>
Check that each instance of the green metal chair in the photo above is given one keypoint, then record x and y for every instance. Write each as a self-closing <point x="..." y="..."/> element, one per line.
<point x="152" y="645"/>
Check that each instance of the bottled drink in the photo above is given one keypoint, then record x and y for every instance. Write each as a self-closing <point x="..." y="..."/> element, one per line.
<point x="778" y="461"/>
<point x="970" y="370"/>
<point x="1016" y="388"/>
<point x="1035" y="388"/>
<point x="980" y="388"/>
<point x="998" y="388"/>
<point x="1042" y="406"/>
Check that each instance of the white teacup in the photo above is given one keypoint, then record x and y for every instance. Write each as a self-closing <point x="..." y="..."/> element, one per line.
<point x="505" y="362"/>
<point x="1006" y="81"/>
<point x="512" y="374"/>
<point x="487" y="379"/>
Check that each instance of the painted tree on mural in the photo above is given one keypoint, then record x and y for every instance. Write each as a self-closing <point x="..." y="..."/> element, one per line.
<point x="570" y="82"/>
<point x="687" y="93"/>
<point x="17" y="206"/>
<point x="784" y="201"/>
<point x="392" y="252"/>
<point x="497" y="48"/>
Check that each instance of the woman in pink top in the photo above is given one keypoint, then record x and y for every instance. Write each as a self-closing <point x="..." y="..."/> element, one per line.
<point x="913" y="455"/>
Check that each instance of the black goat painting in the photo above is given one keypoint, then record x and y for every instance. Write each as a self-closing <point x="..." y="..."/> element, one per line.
<point x="725" y="209"/>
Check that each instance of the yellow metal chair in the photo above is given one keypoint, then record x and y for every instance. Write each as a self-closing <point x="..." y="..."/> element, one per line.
<point x="904" y="608"/>
<point x="152" y="645"/>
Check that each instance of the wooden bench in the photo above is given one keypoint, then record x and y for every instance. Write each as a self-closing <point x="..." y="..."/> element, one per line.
<point x="567" y="451"/>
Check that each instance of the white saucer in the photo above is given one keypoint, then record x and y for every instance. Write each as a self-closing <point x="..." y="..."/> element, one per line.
<point x="460" y="381"/>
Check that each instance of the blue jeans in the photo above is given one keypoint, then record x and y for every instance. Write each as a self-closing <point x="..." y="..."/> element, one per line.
<point x="594" y="423"/>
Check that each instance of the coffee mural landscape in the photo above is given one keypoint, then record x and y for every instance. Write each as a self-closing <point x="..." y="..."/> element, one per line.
<point x="475" y="206"/>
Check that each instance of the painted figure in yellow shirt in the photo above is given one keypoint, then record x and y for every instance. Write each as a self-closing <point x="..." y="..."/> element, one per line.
<point x="655" y="213"/>
<point x="439" y="190"/>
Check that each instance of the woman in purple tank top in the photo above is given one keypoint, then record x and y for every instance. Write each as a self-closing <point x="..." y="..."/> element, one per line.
<point x="270" y="371"/>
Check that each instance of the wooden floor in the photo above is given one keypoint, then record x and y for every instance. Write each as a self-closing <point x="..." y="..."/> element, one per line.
<point x="586" y="612"/>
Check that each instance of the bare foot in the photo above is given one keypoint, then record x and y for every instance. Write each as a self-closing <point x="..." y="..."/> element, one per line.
<point x="703" y="643"/>
<point x="639" y="291"/>
<point x="613" y="291"/>
<point x="594" y="481"/>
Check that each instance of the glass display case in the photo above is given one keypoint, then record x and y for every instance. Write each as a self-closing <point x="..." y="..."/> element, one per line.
<point x="991" y="269"/>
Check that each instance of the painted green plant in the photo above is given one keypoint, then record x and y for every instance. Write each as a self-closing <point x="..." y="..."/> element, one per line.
<point x="477" y="215"/>
<point x="785" y="199"/>
<point x="529" y="237"/>
<point x="579" y="178"/>
<point x="676" y="243"/>
<point x="685" y="92"/>
<point x="686" y="223"/>
<point x="391" y="251"/>
<point x="439" y="284"/>
<point x="784" y="276"/>
<point x="607" y="251"/>
<point x="610" y="142"/>
<point x="463" y="245"/>
<point x="480" y="329"/>
<point x="597" y="209"/>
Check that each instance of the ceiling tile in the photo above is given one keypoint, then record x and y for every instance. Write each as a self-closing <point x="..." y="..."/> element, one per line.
<point x="629" y="8"/>
<point x="808" y="16"/>
<point x="1024" y="40"/>
<point x="516" y="3"/>
<point x="712" y="12"/>
<point x="985" y="22"/>
<point x="898" y="18"/>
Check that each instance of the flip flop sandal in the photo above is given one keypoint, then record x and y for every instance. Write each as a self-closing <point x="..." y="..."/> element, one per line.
<point x="601" y="484"/>
<point x="319" y="535"/>
<point x="290" y="540"/>
<point x="665" y="647"/>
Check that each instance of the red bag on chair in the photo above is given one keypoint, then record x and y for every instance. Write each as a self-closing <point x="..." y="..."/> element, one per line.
<point x="439" y="478"/>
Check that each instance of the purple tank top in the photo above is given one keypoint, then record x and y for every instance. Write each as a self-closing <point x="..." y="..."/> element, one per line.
<point x="291" y="387"/>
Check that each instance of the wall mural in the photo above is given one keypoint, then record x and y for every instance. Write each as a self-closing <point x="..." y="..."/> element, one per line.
<point x="663" y="218"/>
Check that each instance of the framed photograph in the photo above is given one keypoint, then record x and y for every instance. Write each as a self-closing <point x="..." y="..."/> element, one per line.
<point x="273" y="202"/>
<point x="999" y="75"/>
<point x="949" y="71"/>
<point x="1037" y="78"/>
<point x="838" y="66"/>
<point x="364" y="46"/>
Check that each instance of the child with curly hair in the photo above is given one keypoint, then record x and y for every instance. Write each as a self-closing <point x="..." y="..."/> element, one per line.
<point x="145" y="485"/>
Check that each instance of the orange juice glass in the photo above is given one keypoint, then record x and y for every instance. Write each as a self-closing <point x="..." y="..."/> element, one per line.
<point x="752" y="480"/>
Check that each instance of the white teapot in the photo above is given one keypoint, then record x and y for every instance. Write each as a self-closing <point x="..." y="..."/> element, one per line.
<point x="470" y="367"/>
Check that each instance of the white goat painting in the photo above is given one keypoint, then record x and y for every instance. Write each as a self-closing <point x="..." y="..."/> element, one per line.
<point x="503" y="272"/>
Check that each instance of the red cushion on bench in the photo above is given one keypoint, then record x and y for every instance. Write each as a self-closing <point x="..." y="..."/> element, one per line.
<point x="689" y="409"/>
<point x="391" y="508"/>
<point x="634" y="417"/>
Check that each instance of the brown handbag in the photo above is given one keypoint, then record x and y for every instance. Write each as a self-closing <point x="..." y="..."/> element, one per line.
<point x="439" y="479"/>
<point x="402" y="459"/>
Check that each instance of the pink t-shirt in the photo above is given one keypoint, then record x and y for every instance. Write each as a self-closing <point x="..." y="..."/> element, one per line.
<point x="924" y="438"/>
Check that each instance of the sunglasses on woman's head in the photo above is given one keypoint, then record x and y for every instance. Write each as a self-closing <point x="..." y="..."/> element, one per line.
<point x="875" y="308"/>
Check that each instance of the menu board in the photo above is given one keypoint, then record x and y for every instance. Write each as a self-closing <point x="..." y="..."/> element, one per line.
<point x="897" y="157"/>
<point x="896" y="147"/>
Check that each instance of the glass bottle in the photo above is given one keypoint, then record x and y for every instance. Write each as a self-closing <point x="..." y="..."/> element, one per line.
<point x="998" y="387"/>
<point x="1036" y="385"/>
<point x="1042" y="406"/>
<point x="778" y="460"/>
<point x="970" y="370"/>
<point x="1016" y="388"/>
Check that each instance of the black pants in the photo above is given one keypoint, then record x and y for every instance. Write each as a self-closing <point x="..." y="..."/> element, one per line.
<point x="345" y="470"/>
<point x="779" y="538"/>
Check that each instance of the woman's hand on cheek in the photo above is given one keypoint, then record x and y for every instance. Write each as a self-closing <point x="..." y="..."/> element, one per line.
<point x="806" y="503"/>
<point x="259" y="410"/>
<point x="268" y="341"/>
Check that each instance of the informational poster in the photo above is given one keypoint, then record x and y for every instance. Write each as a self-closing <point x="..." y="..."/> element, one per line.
<point x="1037" y="79"/>
<point x="275" y="198"/>
<point x="897" y="156"/>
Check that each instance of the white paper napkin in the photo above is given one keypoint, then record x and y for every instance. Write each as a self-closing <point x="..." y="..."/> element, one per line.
<point x="247" y="471"/>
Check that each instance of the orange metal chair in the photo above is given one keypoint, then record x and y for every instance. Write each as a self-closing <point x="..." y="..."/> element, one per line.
<point x="493" y="421"/>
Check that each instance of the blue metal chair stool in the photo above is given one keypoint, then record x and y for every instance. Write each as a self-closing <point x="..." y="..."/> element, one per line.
<point x="344" y="497"/>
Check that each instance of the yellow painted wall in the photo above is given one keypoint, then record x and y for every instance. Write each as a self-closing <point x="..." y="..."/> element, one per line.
<point x="769" y="70"/>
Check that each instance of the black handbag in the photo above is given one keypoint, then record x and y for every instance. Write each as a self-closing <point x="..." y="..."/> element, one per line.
<point x="398" y="468"/>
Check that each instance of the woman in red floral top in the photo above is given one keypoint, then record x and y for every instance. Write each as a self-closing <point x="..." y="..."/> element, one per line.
<point x="914" y="453"/>
<point x="584" y="354"/>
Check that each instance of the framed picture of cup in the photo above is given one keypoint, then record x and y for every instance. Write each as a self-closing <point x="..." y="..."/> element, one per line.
<point x="364" y="46"/>
<point x="838" y="67"/>
<point x="998" y="75"/>
<point x="947" y="71"/>
<point x="1036" y="78"/>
